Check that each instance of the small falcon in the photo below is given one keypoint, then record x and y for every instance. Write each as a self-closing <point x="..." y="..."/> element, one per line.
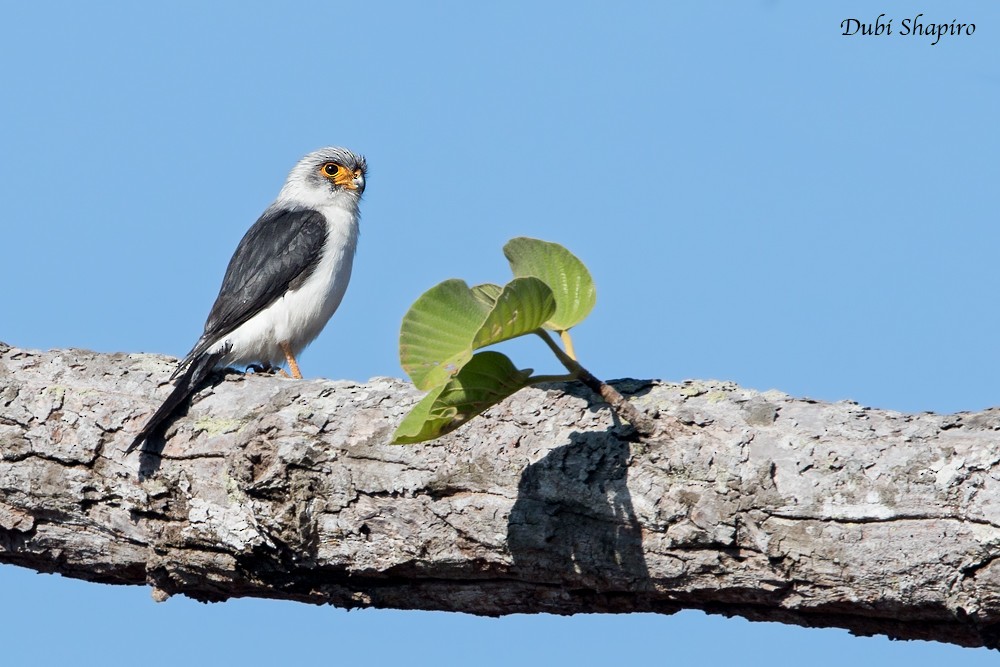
<point x="285" y="280"/>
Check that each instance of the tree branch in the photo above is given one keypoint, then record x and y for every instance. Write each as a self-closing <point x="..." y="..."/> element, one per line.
<point x="739" y="503"/>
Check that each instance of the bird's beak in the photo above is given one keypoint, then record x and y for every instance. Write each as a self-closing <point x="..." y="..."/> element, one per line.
<point x="355" y="181"/>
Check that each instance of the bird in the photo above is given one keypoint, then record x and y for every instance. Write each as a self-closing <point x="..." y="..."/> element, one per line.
<point x="285" y="280"/>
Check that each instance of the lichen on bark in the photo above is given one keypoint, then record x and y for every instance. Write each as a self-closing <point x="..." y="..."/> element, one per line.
<point x="739" y="503"/>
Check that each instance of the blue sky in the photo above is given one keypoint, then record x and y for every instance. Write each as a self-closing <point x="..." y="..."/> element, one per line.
<point x="759" y="198"/>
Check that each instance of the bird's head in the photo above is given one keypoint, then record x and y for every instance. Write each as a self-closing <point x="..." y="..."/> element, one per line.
<point x="328" y="176"/>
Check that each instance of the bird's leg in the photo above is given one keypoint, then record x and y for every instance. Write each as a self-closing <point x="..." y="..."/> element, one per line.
<point x="292" y="364"/>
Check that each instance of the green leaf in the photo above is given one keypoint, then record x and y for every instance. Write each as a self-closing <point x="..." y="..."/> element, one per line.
<point x="522" y="306"/>
<point x="449" y="321"/>
<point x="488" y="378"/>
<point x="418" y="425"/>
<point x="562" y="271"/>
<point x="435" y="339"/>
<point x="487" y="293"/>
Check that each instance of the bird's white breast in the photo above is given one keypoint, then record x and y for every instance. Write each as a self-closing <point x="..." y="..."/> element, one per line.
<point x="299" y="315"/>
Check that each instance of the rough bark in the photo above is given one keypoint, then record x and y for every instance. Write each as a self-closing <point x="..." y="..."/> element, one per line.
<point x="741" y="503"/>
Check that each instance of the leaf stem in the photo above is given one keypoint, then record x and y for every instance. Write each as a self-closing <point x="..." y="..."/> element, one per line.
<point x="618" y="403"/>
<point x="571" y="365"/>
<point x="542" y="379"/>
<point x="567" y="343"/>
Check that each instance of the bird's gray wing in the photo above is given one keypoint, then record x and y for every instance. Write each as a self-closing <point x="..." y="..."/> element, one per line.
<point x="277" y="253"/>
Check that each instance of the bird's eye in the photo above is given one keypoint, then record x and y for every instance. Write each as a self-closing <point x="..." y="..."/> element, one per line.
<point x="331" y="168"/>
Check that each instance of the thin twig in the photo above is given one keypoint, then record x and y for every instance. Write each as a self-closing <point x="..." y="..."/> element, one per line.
<point x="621" y="405"/>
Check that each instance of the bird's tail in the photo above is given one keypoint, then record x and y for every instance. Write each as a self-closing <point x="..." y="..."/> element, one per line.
<point x="189" y="382"/>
